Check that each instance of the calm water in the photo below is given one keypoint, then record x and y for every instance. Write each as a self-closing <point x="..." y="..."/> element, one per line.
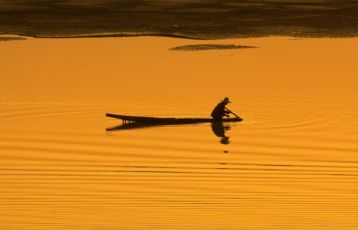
<point x="292" y="163"/>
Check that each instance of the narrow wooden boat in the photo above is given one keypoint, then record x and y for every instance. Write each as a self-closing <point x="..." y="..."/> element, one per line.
<point x="168" y="120"/>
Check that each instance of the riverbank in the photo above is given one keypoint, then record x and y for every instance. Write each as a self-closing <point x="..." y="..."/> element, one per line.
<point x="190" y="19"/>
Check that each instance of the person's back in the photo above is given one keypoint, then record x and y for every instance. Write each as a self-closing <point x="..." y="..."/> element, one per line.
<point x="220" y="110"/>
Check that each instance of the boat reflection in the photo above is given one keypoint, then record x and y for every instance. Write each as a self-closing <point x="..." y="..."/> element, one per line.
<point x="132" y="125"/>
<point x="218" y="128"/>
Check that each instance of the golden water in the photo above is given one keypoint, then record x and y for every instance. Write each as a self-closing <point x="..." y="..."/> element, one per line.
<point x="292" y="163"/>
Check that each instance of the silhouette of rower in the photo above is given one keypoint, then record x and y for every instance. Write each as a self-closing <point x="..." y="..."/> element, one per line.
<point x="220" y="110"/>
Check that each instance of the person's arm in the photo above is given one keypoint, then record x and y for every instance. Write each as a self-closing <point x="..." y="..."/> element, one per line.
<point x="227" y="112"/>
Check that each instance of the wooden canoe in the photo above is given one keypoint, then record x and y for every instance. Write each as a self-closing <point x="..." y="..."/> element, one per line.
<point x="168" y="120"/>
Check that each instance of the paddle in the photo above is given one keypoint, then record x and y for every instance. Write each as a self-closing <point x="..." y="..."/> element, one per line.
<point x="233" y="113"/>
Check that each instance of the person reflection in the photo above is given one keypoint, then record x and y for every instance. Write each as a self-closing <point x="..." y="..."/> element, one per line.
<point x="219" y="130"/>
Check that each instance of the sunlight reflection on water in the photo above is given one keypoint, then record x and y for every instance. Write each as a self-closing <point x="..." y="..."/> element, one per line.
<point x="291" y="164"/>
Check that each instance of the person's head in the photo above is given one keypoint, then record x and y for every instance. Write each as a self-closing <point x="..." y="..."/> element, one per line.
<point x="226" y="100"/>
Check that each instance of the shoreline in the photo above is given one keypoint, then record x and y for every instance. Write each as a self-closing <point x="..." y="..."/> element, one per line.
<point x="202" y="20"/>
<point x="12" y="37"/>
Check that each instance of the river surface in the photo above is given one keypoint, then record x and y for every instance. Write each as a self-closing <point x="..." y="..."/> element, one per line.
<point x="291" y="164"/>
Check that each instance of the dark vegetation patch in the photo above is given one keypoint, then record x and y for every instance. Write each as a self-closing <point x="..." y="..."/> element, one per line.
<point x="10" y="38"/>
<point x="200" y="47"/>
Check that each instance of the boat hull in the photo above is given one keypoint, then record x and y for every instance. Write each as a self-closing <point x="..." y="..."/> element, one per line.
<point x="169" y="120"/>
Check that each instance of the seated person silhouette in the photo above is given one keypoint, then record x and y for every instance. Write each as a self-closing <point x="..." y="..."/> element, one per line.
<point x="220" y="110"/>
